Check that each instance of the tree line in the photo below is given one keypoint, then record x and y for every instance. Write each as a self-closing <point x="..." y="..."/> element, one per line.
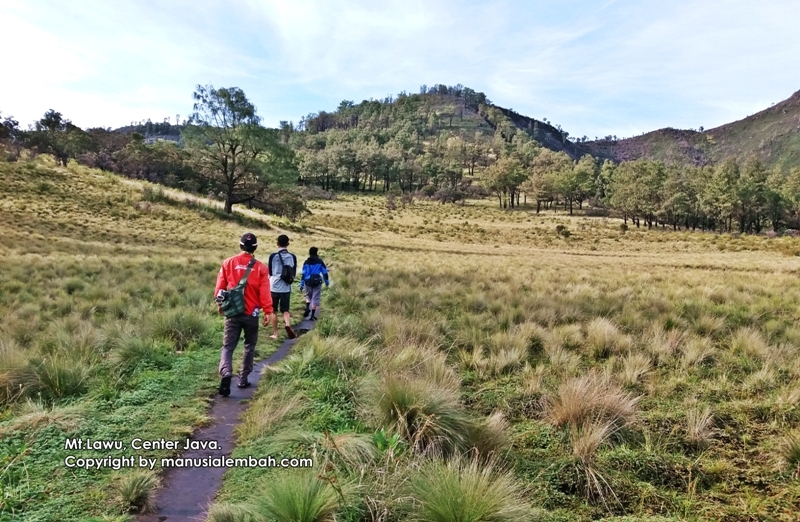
<point x="446" y="142"/>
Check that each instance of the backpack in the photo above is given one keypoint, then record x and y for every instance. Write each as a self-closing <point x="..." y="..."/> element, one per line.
<point x="314" y="280"/>
<point x="232" y="303"/>
<point x="287" y="272"/>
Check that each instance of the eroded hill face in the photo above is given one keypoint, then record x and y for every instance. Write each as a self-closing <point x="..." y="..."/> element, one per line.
<point x="772" y="136"/>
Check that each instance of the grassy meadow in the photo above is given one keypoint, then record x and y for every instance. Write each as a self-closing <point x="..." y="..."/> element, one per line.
<point x="108" y="330"/>
<point x="471" y="364"/>
<point x="479" y="364"/>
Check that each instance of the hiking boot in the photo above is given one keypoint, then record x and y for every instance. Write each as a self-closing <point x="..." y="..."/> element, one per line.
<point x="243" y="384"/>
<point x="289" y="332"/>
<point x="225" y="386"/>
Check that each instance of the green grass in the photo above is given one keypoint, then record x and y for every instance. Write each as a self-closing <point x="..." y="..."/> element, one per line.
<point x="645" y="375"/>
<point x="635" y="376"/>
<point x="107" y="331"/>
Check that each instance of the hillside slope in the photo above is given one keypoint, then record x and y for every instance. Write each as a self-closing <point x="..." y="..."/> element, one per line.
<point x="772" y="136"/>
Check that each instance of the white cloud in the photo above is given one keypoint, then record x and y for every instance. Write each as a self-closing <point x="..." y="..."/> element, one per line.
<point x="620" y="68"/>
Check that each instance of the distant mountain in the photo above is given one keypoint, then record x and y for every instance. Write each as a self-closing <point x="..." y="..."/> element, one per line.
<point x="772" y="136"/>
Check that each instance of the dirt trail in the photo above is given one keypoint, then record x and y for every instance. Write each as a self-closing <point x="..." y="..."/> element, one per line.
<point x="187" y="493"/>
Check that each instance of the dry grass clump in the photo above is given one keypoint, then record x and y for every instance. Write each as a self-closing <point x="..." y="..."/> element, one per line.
<point x="750" y="342"/>
<point x="33" y="416"/>
<point x="708" y="325"/>
<point x="504" y="352"/>
<point x="603" y="338"/>
<point x="589" y="398"/>
<point x="762" y="380"/>
<point x="532" y="380"/>
<point x="699" y="426"/>
<point x="533" y="334"/>
<point x="567" y="336"/>
<point x="635" y="366"/>
<point x="664" y="344"/>
<point x="696" y="351"/>
<point x="489" y="436"/>
<point x="586" y="440"/>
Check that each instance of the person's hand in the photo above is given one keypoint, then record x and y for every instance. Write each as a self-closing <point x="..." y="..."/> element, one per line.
<point x="219" y="309"/>
<point x="265" y="321"/>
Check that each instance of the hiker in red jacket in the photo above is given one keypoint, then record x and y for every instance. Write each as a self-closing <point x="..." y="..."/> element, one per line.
<point x="257" y="300"/>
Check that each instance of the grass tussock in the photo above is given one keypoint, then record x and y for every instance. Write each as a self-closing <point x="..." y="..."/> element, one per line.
<point x="699" y="426"/>
<point x="267" y="411"/>
<point x="297" y="497"/>
<point x="587" y="398"/>
<point x="790" y="453"/>
<point x="33" y="416"/>
<point x="226" y="512"/>
<point x="426" y="414"/>
<point x="137" y="491"/>
<point x="462" y="490"/>
<point x="604" y="339"/>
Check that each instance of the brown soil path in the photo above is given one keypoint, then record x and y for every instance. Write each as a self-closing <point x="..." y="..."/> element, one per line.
<point x="188" y="492"/>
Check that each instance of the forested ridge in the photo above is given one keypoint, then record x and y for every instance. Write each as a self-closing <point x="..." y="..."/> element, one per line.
<point x="448" y="143"/>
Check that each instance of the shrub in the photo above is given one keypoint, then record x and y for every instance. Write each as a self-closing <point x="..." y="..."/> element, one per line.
<point x="297" y="497"/>
<point x="462" y="490"/>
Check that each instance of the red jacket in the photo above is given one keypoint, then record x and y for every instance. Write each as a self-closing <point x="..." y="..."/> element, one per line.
<point x="256" y="292"/>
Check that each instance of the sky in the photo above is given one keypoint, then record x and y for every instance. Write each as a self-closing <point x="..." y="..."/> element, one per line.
<point x="597" y="68"/>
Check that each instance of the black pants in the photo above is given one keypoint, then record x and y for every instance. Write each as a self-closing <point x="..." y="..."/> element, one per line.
<point x="233" y="330"/>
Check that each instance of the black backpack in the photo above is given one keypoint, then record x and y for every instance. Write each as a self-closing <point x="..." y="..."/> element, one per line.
<point x="287" y="272"/>
<point x="314" y="280"/>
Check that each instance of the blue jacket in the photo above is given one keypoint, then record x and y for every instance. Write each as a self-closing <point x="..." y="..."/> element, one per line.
<point x="314" y="266"/>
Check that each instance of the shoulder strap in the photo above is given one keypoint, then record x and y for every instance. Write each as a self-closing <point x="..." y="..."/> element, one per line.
<point x="250" y="265"/>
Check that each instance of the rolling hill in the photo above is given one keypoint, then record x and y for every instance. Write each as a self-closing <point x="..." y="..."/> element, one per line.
<point x="772" y="136"/>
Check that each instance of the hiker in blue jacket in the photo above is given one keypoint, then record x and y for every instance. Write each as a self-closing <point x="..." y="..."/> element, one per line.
<point x="314" y="274"/>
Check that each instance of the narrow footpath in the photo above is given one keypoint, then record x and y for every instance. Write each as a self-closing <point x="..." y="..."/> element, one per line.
<point x="187" y="493"/>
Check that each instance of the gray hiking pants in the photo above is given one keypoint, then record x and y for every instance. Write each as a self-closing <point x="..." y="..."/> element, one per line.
<point x="233" y="330"/>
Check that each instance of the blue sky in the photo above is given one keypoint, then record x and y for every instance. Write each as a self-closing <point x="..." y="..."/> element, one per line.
<point x="617" y="67"/>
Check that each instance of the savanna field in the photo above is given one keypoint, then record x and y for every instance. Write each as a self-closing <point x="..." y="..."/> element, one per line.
<point x="471" y="363"/>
